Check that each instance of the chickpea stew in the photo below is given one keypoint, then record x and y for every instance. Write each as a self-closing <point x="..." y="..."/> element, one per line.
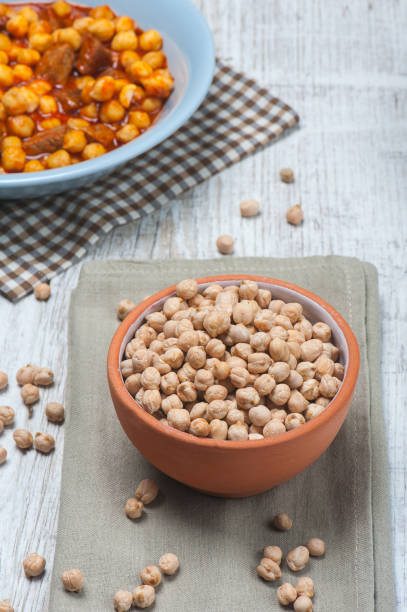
<point x="75" y="83"/>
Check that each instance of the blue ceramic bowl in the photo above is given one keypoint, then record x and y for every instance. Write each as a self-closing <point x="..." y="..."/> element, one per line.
<point x="188" y="44"/>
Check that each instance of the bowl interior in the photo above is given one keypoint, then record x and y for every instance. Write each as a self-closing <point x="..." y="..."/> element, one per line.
<point x="313" y="311"/>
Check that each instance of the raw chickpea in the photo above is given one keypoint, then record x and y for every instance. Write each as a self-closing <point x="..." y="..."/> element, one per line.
<point x="112" y="112"/>
<point x="324" y="365"/>
<point x="274" y="553"/>
<point x="321" y="331"/>
<point x="127" y="368"/>
<point x="23" y="438"/>
<point x="260" y="415"/>
<point x="103" y="29"/>
<point x="40" y="41"/>
<point x="305" y="586"/>
<point x="215" y="348"/>
<point x="72" y="580"/>
<point x="3" y="380"/>
<point x="276" y="305"/>
<point x="199" y="427"/>
<point x="3" y="453"/>
<point x="286" y="594"/>
<point x="143" y="596"/>
<point x="311" y="349"/>
<point x="61" y="8"/>
<point x="134" y="508"/>
<point x="292" y="310"/>
<point x="234" y="415"/>
<point x="5" y="605"/>
<point x="297" y="402"/>
<point x="151" y="400"/>
<point x="17" y="26"/>
<point x="242" y="350"/>
<point x="238" y="431"/>
<point x="260" y="341"/>
<point x="316" y="547"/>
<point x="44" y="442"/>
<point x="310" y="389"/>
<point x="92" y="150"/>
<point x="306" y="369"/>
<point x="13" y="159"/>
<point x="75" y="141"/>
<point x="196" y="357"/>
<point x="303" y="604"/>
<point x="225" y="244"/>
<point x="221" y="370"/>
<point x="264" y="384"/>
<point x="263" y="298"/>
<point x="150" y="575"/>
<point x="169" y="383"/>
<point x="34" y="565"/>
<point x="247" y="398"/>
<point x="279" y="415"/>
<point x="6" y="415"/>
<point x="171" y="402"/>
<point x="287" y="175"/>
<point x="173" y="305"/>
<point x="280" y="371"/>
<point x="264" y="320"/>
<point x="313" y="411"/>
<point x="304" y="326"/>
<point x="297" y="558"/>
<point x="216" y="322"/>
<point x="249" y="208"/>
<point x="59" y="159"/>
<point x="293" y="421"/>
<point x="187" y="392"/>
<point x="30" y="394"/>
<point x="150" y="40"/>
<point x="244" y="312"/>
<point x="282" y="522"/>
<point x="198" y="411"/>
<point x="279" y="350"/>
<point x="217" y="409"/>
<point x="55" y="412"/>
<point x="150" y="378"/>
<point x="203" y="380"/>
<point x="21" y="125"/>
<point x="187" y="289"/>
<point x="294" y="214"/>
<point x="125" y="40"/>
<point x="273" y="428"/>
<point x="169" y="564"/>
<point x="123" y="309"/>
<point x="215" y="392"/>
<point x="122" y="601"/>
<point x="339" y="371"/>
<point x="256" y="436"/>
<point x="179" y="418"/>
<point x="218" y="429"/>
<point x="329" y="349"/>
<point x="174" y="357"/>
<point x="268" y="570"/>
<point x="281" y="394"/>
<point x="328" y="386"/>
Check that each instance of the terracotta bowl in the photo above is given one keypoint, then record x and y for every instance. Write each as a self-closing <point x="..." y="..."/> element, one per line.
<point x="221" y="467"/>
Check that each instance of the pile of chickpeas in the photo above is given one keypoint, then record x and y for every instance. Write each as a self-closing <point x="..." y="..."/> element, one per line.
<point x="231" y="363"/>
<point x="126" y="101"/>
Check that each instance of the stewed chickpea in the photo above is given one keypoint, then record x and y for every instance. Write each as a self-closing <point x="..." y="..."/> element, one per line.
<point x="230" y="363"/>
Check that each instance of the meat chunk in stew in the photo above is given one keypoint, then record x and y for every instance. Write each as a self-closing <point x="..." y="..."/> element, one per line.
<point x="93" y="56"/>
<point x="48" y="141"/>
<point x="56" y="64"/>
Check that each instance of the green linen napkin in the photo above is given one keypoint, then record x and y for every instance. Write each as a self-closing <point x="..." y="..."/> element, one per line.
<point x="342" y="497"/>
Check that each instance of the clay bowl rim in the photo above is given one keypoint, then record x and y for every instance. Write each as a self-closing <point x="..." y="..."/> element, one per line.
<point x="344" y="394"/>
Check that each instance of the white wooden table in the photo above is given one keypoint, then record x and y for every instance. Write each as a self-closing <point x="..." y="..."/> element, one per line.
<point x="340" y="64"/>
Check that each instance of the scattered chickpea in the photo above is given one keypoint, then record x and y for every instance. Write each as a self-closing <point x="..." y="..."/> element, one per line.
<point x="316" y="547"/>
<point x="303" y="604"/>
<point x="134" y="508"/>
<point x="55" y="412"/>
<point x="43" y="377"/>
<point x="294" y="214"/>
<point x="30" y="394"/>
<point x="169" y="564"/>
<point x="34" y="565"/>
<point x="3" y="380"/>
<point x="42" y="292"/>
<point x="44" y="442"/>
<point x="305" y="586"/>
<point x="122" y="601"/>
<point x="268" y="570"/>
<point x="282" y="522"/>
<point x="297" y="558"/>
<point x="72" y="580"/>
<point x="150" y="575"/>
<point x="5" y="606"/>
<point x="143" y="596"/>
<point x="7" y="415"/>
<point x="286" y="594"/>
<point x="146" y="491"/>
<point x="25" y="375"/>
<point x="225" y="244"/>
<point x="274" y="553"/>
<point x="123" y="309"/>
<point x="3" y="455"/>
<point x="249" y="208"/>
<point x="23" y="438"/>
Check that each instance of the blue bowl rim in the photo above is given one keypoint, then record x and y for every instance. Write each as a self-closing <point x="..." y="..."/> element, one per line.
<point x="123" y="154"/>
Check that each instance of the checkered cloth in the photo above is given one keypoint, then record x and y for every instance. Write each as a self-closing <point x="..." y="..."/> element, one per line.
<point x="40" y="238"/>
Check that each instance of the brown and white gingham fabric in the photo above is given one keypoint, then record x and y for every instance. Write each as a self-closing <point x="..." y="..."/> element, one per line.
<point x="40" y="238"/>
